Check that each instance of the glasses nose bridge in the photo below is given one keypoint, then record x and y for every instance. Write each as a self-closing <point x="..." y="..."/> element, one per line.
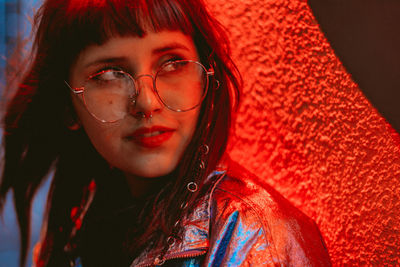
<point x="140" y="84"/>
<point x="146" y="95"/>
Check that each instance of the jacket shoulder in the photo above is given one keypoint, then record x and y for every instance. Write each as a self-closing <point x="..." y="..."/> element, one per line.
<point x="244" y="186"/>
<point x="280" y="232"/>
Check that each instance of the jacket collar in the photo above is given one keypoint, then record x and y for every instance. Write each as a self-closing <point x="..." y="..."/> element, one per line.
<point x="195" y="240"/>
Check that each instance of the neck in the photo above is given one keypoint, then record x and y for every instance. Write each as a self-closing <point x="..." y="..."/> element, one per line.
<point x="141" y="187"/>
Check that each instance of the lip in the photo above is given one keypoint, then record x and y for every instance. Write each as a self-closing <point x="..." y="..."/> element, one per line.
<point x="151" y="137"/>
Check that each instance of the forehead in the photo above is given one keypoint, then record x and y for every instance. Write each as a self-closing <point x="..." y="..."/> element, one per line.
<point x="136" y="50"/>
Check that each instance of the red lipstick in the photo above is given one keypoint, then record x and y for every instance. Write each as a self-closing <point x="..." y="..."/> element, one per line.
<point x="151" y="137"/>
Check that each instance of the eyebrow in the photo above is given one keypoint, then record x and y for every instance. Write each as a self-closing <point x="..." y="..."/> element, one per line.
<point x="169" y="47"/>
<point x="156" y="51"/>
<point x="105" y="60"/>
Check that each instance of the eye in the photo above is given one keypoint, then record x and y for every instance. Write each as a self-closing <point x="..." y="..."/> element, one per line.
<point x="172" y="67"/>
<point x="108" y="75"/>
<point x="169" y="58"/>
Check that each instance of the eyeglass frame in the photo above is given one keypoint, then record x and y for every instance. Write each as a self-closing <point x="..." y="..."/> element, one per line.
<point x="80" y="90"/>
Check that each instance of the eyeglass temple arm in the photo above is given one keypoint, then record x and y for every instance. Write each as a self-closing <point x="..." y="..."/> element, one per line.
<point x="76" y="90"/>
<point x="211" y="72"/>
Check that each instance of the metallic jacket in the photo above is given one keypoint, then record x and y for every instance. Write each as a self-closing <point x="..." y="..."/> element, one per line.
<point x="243" y="222"/>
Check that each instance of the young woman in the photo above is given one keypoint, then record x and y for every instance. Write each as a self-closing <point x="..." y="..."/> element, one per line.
<point x="130" y="103"/>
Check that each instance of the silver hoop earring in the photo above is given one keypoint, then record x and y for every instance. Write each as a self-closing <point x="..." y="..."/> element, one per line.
<point x="192" y="187"/>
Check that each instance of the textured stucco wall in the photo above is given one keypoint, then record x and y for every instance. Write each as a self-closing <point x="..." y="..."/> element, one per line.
<point x="309" y="131"/>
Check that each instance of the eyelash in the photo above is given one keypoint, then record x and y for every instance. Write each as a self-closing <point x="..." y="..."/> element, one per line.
<point x="170" y="58"/>
<point x="108" y="68"/>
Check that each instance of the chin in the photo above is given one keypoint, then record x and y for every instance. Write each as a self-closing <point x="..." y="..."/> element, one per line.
<point x="153" y="171"/>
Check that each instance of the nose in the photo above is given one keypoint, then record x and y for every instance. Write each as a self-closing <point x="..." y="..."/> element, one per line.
<point x="146" y="102"/>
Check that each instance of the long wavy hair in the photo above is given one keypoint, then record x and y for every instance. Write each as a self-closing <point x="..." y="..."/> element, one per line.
<point x="36" y="139"/>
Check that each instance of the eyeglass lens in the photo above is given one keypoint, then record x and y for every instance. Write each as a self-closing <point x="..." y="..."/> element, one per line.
<point x="180" y="85"/>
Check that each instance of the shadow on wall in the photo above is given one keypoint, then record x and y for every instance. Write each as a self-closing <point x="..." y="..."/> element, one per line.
<point x="365" y="36"/>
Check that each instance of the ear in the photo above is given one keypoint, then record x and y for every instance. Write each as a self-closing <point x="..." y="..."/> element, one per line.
<point x="71" y="121"/>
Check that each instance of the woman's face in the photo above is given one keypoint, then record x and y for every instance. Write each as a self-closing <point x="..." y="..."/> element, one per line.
<point x="138" y="145"/>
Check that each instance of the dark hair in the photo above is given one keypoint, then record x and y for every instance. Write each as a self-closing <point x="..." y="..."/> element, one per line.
<point x="37" y="139"/>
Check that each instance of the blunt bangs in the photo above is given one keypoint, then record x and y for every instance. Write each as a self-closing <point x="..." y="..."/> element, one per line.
<point x="95" y="21"/>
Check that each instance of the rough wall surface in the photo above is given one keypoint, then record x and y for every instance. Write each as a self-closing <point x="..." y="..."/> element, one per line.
<point x="309" y="131"/>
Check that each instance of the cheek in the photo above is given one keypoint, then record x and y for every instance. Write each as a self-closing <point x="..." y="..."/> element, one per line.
<point x="101" y="138"/>
<point x="105" y="140"/>
<point x="100" y="134"/>
<point x="189" y="124"/>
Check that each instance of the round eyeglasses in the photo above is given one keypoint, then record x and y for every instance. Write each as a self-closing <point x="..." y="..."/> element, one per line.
<point x="110" y="95"/>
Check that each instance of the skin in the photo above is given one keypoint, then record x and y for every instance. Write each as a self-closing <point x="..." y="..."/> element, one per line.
<point x="137" y="56"/>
